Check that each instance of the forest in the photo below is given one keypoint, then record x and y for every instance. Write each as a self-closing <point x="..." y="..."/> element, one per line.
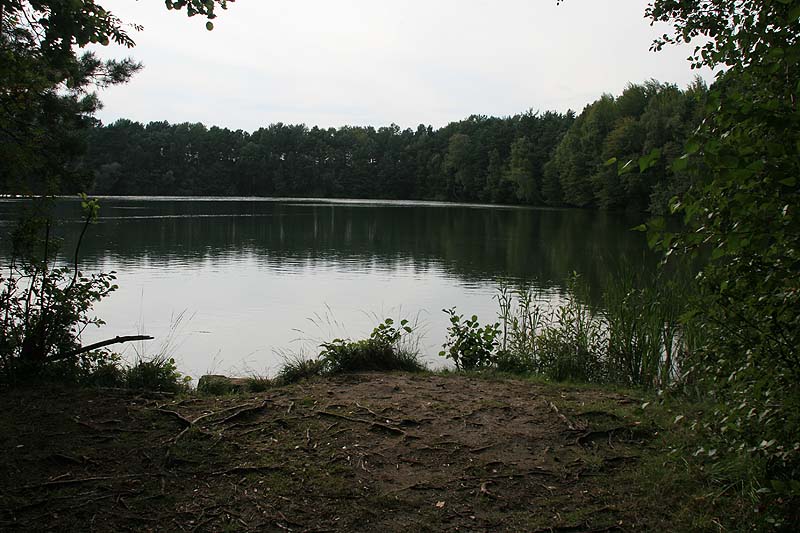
<point x="720" y="162"/>
<point x="531" y="158"/>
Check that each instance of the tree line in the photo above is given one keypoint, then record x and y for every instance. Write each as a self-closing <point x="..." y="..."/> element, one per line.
<point x="532" y="158"/>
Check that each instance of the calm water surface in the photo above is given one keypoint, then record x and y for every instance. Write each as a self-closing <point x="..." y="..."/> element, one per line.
<point x="231" y="284"/>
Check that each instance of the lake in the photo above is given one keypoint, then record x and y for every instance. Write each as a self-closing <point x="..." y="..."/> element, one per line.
<point x="229" y="285"/>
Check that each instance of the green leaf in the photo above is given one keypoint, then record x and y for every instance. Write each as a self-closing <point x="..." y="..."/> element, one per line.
<point x="209" y="25"/>
<point x="680" y="164"/>
<point x="649" y="160"/>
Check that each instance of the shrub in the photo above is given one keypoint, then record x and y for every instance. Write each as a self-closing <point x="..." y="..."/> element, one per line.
<point x="45" y="306"/>
<point x="470" y="345"/>
<point x="382" y="351"/>
<point x="108" y="373"/>
<point x="158" y="373"/>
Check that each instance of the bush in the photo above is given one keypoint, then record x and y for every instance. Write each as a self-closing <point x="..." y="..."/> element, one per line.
<point x="636" y="339"/>
<point x="159" y="374"/>
<point x="106" y="374"/>
<point x="46" y="307"/>
<point x="382" y="351"/>
<point x="470" y="345"/>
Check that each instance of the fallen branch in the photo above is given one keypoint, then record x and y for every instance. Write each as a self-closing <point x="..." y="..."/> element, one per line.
<point x="371" y="423"/>
<point x="482" y="448"/>
<point x="96" y="345"/>
<point x="532" y="472"/>
<point x="485" y="491"/>
<point x="64" y="482"/>
<point x="191" y="423"/>
<point x="570" y="425"/>
<point x="245" y="469"/>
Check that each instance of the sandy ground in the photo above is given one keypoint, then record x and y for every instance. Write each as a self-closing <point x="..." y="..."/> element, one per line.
<point x="365" y="452"/>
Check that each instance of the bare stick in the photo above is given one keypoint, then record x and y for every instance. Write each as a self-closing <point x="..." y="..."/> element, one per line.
<point x="390" y="429"/>
<point x="245" y="469"/>
<point x="101" y="344"/>
<point x="62" y="482"/>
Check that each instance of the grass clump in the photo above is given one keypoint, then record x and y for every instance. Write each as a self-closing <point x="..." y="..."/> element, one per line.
<point x="258" y="384"/>
<point x="159" y="373"/>
<point x="298" y="368"/>
<point x="387" y="349"/>
<point x="382" y="351"/>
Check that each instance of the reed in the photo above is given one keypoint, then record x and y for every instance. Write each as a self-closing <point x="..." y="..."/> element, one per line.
<point x="635" y="337"/>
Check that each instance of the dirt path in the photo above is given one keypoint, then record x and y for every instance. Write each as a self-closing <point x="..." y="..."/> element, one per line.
<point x="372" y="452"/>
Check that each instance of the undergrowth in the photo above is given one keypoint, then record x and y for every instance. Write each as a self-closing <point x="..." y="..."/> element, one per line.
<point x="635" y="338"/>
<point x="385" y="350"/>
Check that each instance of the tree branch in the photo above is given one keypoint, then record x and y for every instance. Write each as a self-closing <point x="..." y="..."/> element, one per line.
<point x="101" y="344"/>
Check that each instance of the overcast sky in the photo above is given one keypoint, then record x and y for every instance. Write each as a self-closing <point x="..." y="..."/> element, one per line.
<point x="373" y="62"/>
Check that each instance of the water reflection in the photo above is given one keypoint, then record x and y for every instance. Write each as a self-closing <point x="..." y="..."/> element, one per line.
<point x="253" y="271"/>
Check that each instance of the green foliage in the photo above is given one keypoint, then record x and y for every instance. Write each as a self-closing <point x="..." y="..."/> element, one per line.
<point x="298" y="368"/>
<point x="470" y="345"/>
<point x="45" y="307"/>
<point x="572" y="346"/>
<point x="634" y="338"/>
<point x="643" y="122"/>
<point x="647" y="342"/>
<point x="470" y="160"/>
<point x="521" y="321"/>
<point x="108" y="373"/>
<point x="531" y="158"/>
<point x="258" y="384"/>
<point x="382" y="351"/>
<point x="158" y="373"/>
<point x="46" y="99"/>
<point x="46" y="86"/>
<point x="741" y="218"/>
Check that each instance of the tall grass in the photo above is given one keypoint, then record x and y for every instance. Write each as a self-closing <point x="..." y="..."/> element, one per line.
<point x="647" y="341"/>
<point x="573" y="338"/>
<point x="521" y="319"/>
<point x="634" y="337"/>
<point x="158" y="370"/>
<point x="391" y="346"/>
